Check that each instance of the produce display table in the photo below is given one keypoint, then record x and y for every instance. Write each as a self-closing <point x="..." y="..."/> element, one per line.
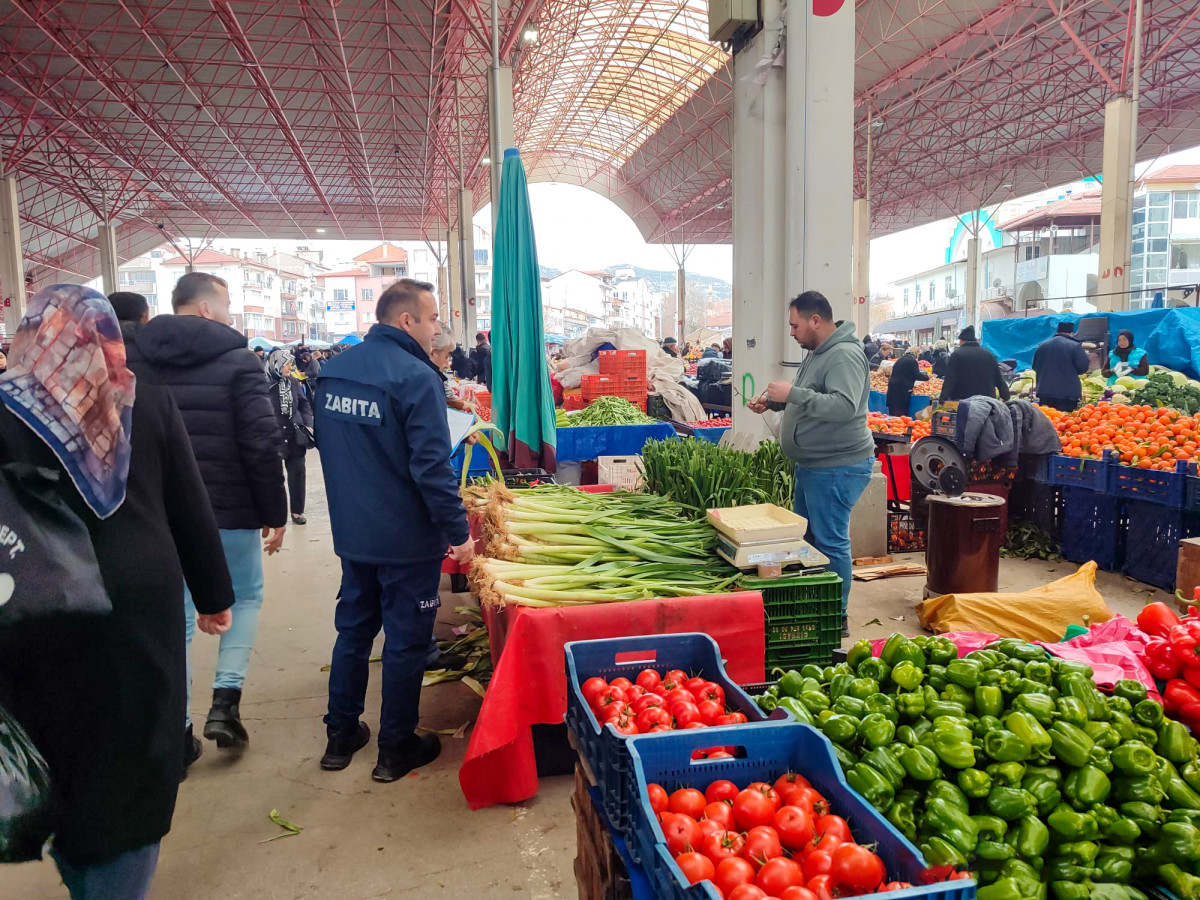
<point x="577" y="443"/>
<point x="529" y="684"/>
<point x="877" y="402"/>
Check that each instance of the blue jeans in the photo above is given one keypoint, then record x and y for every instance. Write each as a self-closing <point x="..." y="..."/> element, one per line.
<point x="403" y="601"/>
<point x="825" y="496"/>
<point x="125" y="877"/>
<point x="243" y="555"/>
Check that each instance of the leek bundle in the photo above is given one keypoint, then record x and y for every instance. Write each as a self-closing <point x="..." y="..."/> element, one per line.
<point x="552" y="545"/>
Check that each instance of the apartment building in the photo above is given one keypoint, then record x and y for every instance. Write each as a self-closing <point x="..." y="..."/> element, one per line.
<point x="254" y="288"/>
<point x="1166" y="235"/>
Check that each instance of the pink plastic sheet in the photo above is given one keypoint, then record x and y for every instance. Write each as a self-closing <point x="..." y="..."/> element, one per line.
<point x="1114" y="649"/>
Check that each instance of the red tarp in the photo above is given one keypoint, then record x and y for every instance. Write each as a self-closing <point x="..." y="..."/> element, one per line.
<point x="529" y="684"/>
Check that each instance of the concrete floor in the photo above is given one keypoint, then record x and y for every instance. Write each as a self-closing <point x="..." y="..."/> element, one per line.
<point x="414" y="838"/>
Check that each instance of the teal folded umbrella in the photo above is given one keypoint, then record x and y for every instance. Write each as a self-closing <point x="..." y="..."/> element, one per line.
<point x="522" y="400"/>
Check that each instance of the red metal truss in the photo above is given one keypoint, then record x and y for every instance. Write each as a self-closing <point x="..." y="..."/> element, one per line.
<point x="251" y="119"/>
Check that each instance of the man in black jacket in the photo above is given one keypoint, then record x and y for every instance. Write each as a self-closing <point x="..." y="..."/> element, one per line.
<point x="221" y="391"/>
<point x="1058" y="363"/>
<point x="972" y="371"/>
<point x="482" y="357"/>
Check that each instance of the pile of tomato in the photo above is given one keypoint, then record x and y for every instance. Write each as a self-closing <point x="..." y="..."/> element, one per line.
<point x="777" y="841"/>
<point x="655" y="702"/>
<point x="1142" y="436"/>
<point x="711" y="423"/>
<point x="885" y="424"/>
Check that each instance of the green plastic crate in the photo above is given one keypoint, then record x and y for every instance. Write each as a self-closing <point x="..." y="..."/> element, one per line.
<point x="803" y="617"/>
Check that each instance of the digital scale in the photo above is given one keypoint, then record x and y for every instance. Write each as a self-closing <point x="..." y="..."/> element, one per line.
<point x="763" y="535"/>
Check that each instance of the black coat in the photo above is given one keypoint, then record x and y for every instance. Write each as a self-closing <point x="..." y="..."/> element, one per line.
<point x="461" y="364"/>
<point x="293" y="427"/>
<point x="103" y="697"/>
<point x="905" y="373"/>
<point x="1058" y="363"/>
<point x="481" y="356"/>
<point x="941" y="362"/>
<point x="221" y="390"/>
<point x="973" y="372"/>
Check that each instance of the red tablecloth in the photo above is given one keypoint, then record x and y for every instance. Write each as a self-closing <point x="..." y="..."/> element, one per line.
<point x="529" y="684"/>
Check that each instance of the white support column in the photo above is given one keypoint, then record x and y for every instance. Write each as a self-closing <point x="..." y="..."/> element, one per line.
<point x="12" y="260"/>
<point x="758" y="319"/>
<point x="972" y="284"/>
<point x="106" y="244"/>
<point x="500" y="126"/>
<point x="819" y="155"/>
<point x="1116" y="210"/>
<point x="862" y="266"/>
<point x="443" y="288"/>
<point x="676" y="325"/>
<point x="466" y="237"/>
<point x="454" y="288"/>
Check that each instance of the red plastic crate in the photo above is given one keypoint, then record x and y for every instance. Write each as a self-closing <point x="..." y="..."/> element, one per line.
<point x="623" y="362"/>
<point x="629" y="386"/>
<point x="573" y="401"/>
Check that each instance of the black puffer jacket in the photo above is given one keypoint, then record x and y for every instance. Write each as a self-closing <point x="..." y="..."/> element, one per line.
<point x="221" y="390"/>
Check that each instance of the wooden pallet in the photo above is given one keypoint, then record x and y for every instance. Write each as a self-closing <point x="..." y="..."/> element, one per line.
<point x="599" y="872"/>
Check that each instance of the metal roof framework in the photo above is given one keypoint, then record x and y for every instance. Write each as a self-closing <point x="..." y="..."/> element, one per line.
<point x="320" y="119"/>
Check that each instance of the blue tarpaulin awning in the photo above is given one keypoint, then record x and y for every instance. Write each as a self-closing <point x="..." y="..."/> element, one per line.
<point x="1170" y="337"/>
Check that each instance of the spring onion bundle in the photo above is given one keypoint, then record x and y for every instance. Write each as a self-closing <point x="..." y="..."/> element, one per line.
<point x="610" y="411"/>
<point x="552" y="545"/>
<point x="700" y="475"/>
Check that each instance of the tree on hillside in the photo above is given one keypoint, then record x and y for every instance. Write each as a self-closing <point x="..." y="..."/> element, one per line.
<point x="882" y="308"/>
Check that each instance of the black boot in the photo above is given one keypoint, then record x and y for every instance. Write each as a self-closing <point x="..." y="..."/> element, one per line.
<point x="192" y="749"/>
<point x="224" y="723"/>
<point x="342" y="747"/>
<point x="412" y="753"/>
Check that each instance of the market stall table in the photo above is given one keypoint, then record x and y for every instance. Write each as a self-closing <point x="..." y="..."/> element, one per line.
<point x="529" y="684"/>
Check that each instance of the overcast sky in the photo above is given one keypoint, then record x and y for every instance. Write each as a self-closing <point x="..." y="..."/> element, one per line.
<point x="578" y="229"/>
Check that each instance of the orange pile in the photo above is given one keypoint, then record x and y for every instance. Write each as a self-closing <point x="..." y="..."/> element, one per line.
<point x="1142" y="436"/>
<point x="886" y="424"/>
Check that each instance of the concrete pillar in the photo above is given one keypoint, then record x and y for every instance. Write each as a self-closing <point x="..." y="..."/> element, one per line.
<point x="1116" y="211"/>
<point x="106" y="245"/>
<point x="443" y="289"/>
<point x="500" y="127"/>
<point x="466" y="238"/>
<point x="862" y="266"/>
<point x="758" y="319"/>
<point x="972" y="284"/>
<point x="454" y="288"/>
<point x="676" y="325"/>
<point x="12" y="260"/>
<point x="819" y="173"/>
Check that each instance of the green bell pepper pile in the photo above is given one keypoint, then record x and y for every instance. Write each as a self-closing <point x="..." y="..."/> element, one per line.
<point x="1014" y="764"/>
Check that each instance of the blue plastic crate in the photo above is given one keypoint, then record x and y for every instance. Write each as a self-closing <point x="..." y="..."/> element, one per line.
<point x="605" y="751"/>
<point x="712" y="435"/>
<point x="1035" y="468"/>
<point x="1148" y="485"/>
<point x="1093" y="528"/>
<point x="1152" y="541"/>
<point x="764" y="752"/>
<point x="481" y="463"/>
<point x="1092" y="474"/>
<point x="579" y="442"/>
<point x="1191" y="490"/>
<point x="1038" y="503"/>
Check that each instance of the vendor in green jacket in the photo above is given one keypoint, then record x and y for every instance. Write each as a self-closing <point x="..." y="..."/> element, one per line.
<point x="824" y="428"/>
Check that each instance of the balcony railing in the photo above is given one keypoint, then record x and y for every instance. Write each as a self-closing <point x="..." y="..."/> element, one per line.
<point x="1183" y="277"/>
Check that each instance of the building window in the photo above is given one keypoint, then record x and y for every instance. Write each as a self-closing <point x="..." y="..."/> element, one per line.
<point x="918" y="292"/>
<point x="1186" y="255"/>
<point x="481" y="257"/>
<point x="932" y="292"/>
<point x="949" y="285"/>
<point x="341" y="296"/>
<point x="368" y="294"/>
<point x="1187" y="204"/>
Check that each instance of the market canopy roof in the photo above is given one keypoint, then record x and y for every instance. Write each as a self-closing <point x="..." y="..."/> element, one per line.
<point x="308" y="121"/>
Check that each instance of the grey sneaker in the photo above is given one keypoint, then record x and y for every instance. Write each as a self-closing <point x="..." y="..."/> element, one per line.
<point x="845" y="627"/>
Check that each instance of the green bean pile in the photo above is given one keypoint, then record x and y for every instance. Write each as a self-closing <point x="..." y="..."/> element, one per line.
<point x="610" y="411"/>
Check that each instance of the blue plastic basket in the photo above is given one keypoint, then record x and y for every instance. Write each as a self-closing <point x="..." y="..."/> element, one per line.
<point x="1148" y="485"/>
<point x="1092" y="474"/>
<point x="1191" y="490"/>
<point x="764" y="752"/>
<point x="481" y="463"/>
<point x="606" y="752"/>
<point x="1093" y="528"/>
<point x="580" y="442"/>
<point x="1152" y="541"/>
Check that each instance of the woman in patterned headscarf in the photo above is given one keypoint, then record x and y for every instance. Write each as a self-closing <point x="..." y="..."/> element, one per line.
<point x="103" y="696"/>
<point x="294" y="411"/>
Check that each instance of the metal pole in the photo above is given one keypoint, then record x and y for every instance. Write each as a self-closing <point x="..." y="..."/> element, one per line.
<point x="494" y="120"/>
<point x="463" y="221"/>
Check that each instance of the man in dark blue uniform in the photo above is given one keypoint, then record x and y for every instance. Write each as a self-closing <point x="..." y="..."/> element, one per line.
<point x="394" y="507"/>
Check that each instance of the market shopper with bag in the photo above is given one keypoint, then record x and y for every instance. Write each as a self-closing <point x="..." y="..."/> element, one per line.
<point x="394" y="508"/>
<point x="825" y="430"/>
<point x="102" y="696"/>
<point x="294" y="412"/>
